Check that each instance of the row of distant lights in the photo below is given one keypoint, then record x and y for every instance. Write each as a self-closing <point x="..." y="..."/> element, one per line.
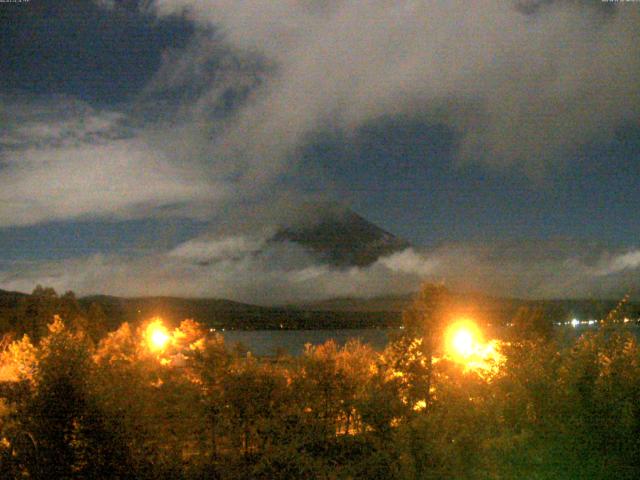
<point x="578" y="323"/>
<point x="222" y="329"/>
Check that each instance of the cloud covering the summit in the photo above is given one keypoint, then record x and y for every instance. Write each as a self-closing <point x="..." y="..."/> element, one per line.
<point x="250" y="268"/>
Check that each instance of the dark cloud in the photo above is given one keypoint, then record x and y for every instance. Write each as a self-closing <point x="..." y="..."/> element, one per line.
<point x="80" y="48"/>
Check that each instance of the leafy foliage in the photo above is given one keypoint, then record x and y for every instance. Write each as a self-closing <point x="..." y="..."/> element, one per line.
<point x="74" y="407"/>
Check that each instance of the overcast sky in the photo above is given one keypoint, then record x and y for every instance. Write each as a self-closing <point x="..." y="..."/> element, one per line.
<point x="139" y="140"/>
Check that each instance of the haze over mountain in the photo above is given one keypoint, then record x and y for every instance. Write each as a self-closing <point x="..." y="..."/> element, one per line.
<point x="324" y="251"/>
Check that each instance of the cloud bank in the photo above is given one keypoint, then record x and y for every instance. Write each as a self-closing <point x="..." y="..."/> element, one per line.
<point x="252" y="269"/>
<point x="61" y="159"/>
<point x="523" y="83"/>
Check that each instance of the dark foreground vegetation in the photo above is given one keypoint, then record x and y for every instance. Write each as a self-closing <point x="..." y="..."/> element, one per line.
<point x="145" y="401"/>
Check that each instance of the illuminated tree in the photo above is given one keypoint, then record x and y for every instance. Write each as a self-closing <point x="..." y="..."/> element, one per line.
<point x="253" y="396"/>
<point x="18" y="363"/>
<point x="58" y="405"/>
<point x="34" y="312"/>
<point x="123" y="391"/>
<point x="423" y="321"/>
<point x="211" y="364"/>
<point x="151" y="401"/>
<point x="382" y="402"/>
<point x="356" y="361"/>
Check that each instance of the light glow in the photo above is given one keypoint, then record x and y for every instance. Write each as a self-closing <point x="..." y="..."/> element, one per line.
<point x="157" y="335"/>
<point x="465" y="344"/>
<point x="462" y="339"/>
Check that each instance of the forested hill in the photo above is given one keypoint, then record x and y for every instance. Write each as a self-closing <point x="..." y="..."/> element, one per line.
<point x="19" y="313"/>
<point x="489" y="309"/>
<point x="9" y="301"/>
<point x="10" y="298"/>
<point x="377" y="312"/>
<point x="19" y="309"/>
<point x="218" y="313"/>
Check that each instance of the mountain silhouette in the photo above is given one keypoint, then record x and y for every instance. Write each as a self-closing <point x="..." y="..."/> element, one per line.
<point x="340" y="236"/>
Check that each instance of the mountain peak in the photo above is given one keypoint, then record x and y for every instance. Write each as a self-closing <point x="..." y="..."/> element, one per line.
<point x="340" y="236"/>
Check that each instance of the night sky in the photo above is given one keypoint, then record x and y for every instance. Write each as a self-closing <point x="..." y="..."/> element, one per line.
<point x="502" y="139"/>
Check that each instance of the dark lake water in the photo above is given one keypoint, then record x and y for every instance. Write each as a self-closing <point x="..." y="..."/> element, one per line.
<point x="268" y="342"/>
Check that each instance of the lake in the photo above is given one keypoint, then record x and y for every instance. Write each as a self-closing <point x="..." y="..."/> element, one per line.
<point x="268" y="342"/>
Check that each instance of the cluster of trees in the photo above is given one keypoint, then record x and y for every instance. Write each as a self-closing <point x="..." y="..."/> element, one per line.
<point x="77" y="405"/>
<point x="30" y="315"/>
